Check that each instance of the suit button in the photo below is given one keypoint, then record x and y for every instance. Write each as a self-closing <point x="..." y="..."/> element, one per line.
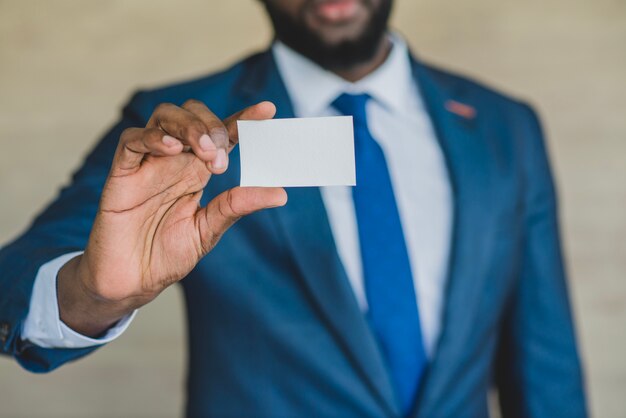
<point x="4" y="332"/>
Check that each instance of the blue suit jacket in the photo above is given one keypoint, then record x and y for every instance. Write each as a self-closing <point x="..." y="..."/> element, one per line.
<point x="274" y="328"/>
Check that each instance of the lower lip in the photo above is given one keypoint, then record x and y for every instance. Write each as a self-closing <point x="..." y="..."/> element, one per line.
<point x="336" y="11"/>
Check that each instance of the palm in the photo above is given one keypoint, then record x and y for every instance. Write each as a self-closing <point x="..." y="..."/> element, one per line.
<point x="150" y="230"/>
<point x="147" y="224"/>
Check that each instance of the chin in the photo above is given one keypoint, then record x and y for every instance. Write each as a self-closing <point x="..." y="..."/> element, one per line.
<point x="333" y="44"/>
<point x="335" y="31"/>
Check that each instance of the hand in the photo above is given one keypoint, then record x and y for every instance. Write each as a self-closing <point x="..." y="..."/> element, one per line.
<point x="150" y="231"/>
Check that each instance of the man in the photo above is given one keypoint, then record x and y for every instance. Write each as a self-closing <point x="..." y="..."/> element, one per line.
<point x="436" y="278"/>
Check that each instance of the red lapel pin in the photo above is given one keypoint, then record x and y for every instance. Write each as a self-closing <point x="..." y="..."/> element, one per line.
<point x="461" y="109"/>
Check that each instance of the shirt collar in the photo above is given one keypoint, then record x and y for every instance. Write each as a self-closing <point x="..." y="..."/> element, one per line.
<point x="313" y="89"/>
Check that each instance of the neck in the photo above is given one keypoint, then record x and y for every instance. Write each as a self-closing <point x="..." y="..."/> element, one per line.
<point x="361" y="70"/>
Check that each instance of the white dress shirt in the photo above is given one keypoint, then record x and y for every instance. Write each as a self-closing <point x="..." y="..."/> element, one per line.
<point x="399" y="122"/>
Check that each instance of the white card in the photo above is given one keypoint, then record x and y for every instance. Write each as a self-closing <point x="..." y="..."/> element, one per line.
<point x="297" y="152"/>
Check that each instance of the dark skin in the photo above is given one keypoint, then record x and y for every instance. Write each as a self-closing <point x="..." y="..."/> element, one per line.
<point x="333" y="32"/>
<point x="149" y="231"/>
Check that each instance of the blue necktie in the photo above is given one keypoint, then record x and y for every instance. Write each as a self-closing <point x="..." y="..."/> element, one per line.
<point x="393" y="314"/>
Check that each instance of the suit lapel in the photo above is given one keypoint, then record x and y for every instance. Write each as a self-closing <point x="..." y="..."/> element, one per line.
<point x="307" y="232"/>
<point x="457" y="130"/>
<point x="304" y="224"/>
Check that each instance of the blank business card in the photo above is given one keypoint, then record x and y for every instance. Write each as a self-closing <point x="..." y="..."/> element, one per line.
<point x="297" y="152"/>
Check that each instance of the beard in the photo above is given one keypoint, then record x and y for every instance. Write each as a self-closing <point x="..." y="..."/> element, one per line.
<point x="343" y="55"/>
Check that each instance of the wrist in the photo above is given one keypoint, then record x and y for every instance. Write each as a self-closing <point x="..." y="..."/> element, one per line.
<point x="82" y="309"/>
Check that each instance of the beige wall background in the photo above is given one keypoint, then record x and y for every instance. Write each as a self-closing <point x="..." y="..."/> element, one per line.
<point x="66" y="67"/>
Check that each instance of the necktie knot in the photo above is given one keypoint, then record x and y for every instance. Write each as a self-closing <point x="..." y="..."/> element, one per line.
<point x="352" y="105"/>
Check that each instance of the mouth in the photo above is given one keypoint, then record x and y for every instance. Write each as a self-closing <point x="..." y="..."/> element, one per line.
<point x="337" y="11"/>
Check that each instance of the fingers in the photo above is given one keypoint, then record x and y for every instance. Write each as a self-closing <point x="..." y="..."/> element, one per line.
<point x="227" y="208"/>
<point x="191" y="130"/>
<point x="135" y="143"/>
<point x="171" y="129"/>
<point x="216" y="131"/>
<point x="259" y="111"/>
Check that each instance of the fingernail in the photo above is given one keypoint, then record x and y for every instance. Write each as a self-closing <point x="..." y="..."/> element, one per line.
<point x="170" y="141"/>
<point x="206" y="144"/>
<point x="221" y="160"/>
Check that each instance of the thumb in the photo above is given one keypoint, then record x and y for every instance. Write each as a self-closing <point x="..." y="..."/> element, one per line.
<point x="227" y="208"/>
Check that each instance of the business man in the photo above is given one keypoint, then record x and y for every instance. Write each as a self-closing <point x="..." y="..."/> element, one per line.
<point x="436" y="278"/>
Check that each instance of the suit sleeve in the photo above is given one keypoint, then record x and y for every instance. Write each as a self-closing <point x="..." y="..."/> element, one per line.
<point x="63" y="227"/>
<point x="538" y="370"/>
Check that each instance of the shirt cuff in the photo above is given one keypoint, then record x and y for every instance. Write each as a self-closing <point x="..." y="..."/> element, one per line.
<point x="43" y="325"/>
